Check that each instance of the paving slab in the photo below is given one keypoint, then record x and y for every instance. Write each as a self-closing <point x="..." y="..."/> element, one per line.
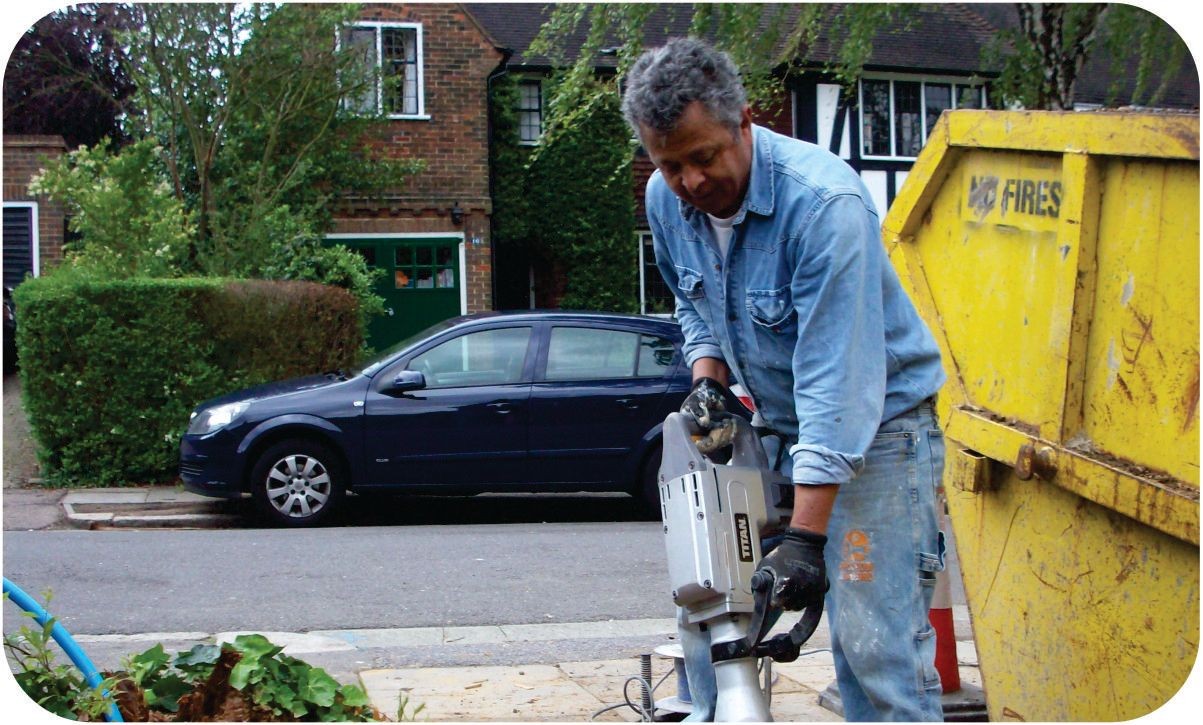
<point x="530" y="693"/>
<point x="369" y="638"/>
<point x="295" y="644"/>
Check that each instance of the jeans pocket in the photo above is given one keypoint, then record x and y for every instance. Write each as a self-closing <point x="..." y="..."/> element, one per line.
<point x="925" y="645"/>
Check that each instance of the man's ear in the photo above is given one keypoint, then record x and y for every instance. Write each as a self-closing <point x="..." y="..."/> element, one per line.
<point x="745" y="123"/>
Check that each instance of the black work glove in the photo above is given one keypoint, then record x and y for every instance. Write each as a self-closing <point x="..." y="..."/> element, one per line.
<point x="795" y="571"/>
<point x="706" y="402"/>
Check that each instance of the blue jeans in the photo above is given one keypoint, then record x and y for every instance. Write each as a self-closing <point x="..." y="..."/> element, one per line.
<point x="883" y="549"/>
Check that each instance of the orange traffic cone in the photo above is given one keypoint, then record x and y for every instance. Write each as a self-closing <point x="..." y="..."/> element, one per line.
<point x="940" y="616"/>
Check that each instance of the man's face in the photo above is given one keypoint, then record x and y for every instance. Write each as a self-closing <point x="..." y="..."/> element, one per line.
<point x="702" y="161"/>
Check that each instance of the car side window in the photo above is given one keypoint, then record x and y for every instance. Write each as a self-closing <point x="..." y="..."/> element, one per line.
<point x="656" y="356"/>
<point x="584" y="353"/>
<point x="487" y="357"/>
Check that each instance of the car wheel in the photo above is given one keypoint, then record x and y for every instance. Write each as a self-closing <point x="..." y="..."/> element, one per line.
<point x="297" y="482"/>
<point x="649" y="485"/>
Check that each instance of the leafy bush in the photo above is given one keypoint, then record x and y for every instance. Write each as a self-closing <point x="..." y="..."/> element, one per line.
<point x="249" y="679"/>
<point x="298" y="254"/>
<point x="113" y="367"/>
<point x="582" y="179"/>
<point x="129" y="222"/>
<point x="57" y="687"/>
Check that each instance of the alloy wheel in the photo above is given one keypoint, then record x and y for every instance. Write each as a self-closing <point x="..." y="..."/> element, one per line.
<point x="298" y="486"/>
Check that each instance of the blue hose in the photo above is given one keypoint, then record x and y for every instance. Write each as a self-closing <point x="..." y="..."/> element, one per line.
<point x="64" y="639"/>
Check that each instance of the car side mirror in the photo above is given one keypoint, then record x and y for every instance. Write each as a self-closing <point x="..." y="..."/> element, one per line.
<point x="408" y="380"/>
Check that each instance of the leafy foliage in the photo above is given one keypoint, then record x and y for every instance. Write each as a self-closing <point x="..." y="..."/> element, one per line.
<point x="66" y="76"/>
<point x="247" y="102"/>
<point x="249" y="679"/>
<point x="276" y="686"/>
<point x="296" y="253"/>
<point x="571" y="204"/>
<point x="122" y="362"/>
<point x="764" y="40"/>
<point x="57" y="687"/>
<point x="1039" y="61"/>
<point x="128" y="222"/>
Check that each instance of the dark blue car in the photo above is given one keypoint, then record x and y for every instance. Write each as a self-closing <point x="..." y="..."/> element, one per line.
<point x="489" y="402"/>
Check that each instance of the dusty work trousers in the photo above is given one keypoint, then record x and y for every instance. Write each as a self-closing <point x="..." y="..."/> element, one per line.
<point x="884" y="547"/>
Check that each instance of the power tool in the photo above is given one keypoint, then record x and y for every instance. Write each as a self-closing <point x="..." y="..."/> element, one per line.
<point x="714" y="514"/>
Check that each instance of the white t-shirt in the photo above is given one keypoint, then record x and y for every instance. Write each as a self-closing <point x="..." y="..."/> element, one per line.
<point x="722" y="231"/>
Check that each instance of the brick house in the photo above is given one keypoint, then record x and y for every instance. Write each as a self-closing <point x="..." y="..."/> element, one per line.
<point x="931" y="63"/>
<point x="34" y="227"/>
<point x="431" y="238"/>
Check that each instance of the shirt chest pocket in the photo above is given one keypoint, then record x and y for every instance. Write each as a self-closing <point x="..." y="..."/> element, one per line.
<point x="772" y="310"/>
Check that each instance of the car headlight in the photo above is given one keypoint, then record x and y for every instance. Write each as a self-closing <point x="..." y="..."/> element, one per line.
<point x="215" y="418"/>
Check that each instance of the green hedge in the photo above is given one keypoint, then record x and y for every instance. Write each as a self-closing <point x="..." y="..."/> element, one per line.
<point x="111" y="369"/>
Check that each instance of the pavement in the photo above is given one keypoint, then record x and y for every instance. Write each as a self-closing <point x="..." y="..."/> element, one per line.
<point x="570" y="691"/>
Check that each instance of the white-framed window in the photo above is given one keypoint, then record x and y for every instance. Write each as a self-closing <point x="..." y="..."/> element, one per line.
<point x="897" y="112"/>
<point x="21" y="241"/>
<point x="655" y="298"/>
<point x="394" y="50"/>
<point x="530" y="111"/>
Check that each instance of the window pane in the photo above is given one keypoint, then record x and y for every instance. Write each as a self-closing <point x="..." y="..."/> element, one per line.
<point x="364" y="40"/>
<point x="445" y="279"/>
<point x="403" y="256"/>
<point x="937" y="97"/>
<point x="424" y="255"/>
<point x="530" y="111"/>
<point x="655" y="356"/>
<point x="443" y="255"/>
<point x="399" y="47"/>
<point x="578" y="353"/>
<point x="490" y="357"/>
<point x="908" y="135"/>
<point x="875" y="136"/>
<point x="402" y="279"/>
<point x="368" y="254"/>
<point x="969" y="96"/>
<point x="424" y="278"/>
<point x="658" y="300"/>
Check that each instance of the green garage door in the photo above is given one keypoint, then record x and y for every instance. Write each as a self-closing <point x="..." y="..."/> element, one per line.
<point x="420" y="284"/>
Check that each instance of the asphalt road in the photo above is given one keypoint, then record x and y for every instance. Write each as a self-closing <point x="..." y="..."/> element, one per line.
<point x="121" y="582"/>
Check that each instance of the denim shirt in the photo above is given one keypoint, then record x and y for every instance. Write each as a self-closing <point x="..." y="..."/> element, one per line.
<point x="805" y="308"/>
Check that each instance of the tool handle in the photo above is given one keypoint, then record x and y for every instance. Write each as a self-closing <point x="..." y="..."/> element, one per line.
<point x="783" y="647"/>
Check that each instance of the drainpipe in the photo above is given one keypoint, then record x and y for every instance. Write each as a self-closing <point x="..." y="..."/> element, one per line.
<point x="500" y="70"/>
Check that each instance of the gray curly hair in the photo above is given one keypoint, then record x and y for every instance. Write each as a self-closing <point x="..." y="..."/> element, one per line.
<point x="663" y="81"/>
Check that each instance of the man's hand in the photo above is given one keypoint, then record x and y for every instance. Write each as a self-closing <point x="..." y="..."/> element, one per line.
<point x="705" y="403"/>
<point x="795" y="571"/>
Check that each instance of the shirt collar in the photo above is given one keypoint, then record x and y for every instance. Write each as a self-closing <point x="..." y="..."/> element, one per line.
<point x="759" y="196"/>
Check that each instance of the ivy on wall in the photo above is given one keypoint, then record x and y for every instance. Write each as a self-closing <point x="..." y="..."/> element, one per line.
<point x="572" y="204"/>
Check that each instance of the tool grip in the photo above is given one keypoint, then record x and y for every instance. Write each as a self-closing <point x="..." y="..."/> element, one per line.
<point x="783" y="647"/>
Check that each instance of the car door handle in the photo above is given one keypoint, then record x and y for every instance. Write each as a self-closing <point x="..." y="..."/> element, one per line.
<point x="628" y="403"/>
<point x="501" y="407"/>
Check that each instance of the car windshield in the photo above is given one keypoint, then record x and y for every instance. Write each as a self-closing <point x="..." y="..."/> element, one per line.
<point x="375" y="362"/>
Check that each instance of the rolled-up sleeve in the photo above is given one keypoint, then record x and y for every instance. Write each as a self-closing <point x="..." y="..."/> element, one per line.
<point x="839" y="362"/>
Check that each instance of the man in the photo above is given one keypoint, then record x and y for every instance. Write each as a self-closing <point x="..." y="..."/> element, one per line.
<point x="772" y="248"/>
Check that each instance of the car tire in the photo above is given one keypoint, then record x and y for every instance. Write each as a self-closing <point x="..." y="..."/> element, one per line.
<point x="297" y="482"/>
<point x="649" y="485"/>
